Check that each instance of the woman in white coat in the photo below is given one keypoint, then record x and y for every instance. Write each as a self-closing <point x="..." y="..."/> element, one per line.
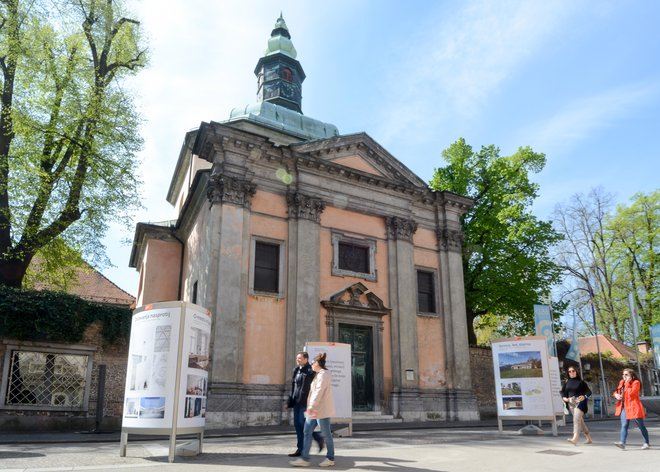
<point x="320" y="408"/>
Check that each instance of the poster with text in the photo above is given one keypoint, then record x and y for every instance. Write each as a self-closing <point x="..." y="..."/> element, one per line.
<point x="194" y="373"/>
<point x="555" y="385"/>
<point x="151" y="369"/>
<point x="522" y="378"/>
<point x="338" y="361"/>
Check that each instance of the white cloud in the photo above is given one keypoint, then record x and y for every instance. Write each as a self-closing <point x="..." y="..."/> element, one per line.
<point x="460" y="60"/>
<point x="584" y="117"/>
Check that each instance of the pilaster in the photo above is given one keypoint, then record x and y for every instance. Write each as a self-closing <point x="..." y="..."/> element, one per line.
<point x="403" y="303"/>
<point x="303" y="296"/>
<point x="228" y="236"/>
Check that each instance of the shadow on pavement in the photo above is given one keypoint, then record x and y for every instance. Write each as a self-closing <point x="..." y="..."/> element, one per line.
<point x="277" y="461"/>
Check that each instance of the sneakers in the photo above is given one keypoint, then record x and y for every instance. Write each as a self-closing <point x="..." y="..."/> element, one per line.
<point x="620" y="445"/>
<point x="327" y="463"/>
<point x="300" y="462"/>
<point x="297" y="453"/>
<point x="646" y="446"/>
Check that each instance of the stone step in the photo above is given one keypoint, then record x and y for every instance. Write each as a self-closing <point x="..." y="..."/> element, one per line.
<point x="373" y="417"/>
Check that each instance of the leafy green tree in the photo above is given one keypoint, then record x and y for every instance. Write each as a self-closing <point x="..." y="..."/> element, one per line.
<point x="68" y="128"/>
<point x="506" y="257"/>
<point x="636" y="233"/>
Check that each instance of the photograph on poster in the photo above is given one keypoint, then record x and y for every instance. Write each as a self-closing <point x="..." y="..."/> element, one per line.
<point x="162" y="338"/>
<point x="152" y="407"/>
<point x="159" y="369"/>
<point x="198" y="357"/>
<point x="196" y="385"/>
<point x="138" y="372"/>
<point x="511" y="388"/>
<point x="512" y="403"/>
<point x="522" y="364"/>
<point x="195" y="407"/>
<point x="131" y="408"/>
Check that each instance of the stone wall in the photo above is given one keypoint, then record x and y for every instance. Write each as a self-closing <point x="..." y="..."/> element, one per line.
<point x="114" y="357"/>
<point x="483" y="381"/>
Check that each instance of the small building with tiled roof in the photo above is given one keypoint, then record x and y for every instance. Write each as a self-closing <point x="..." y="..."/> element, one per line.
<point x="92" y="285"/>
<point x="618" y="349"/>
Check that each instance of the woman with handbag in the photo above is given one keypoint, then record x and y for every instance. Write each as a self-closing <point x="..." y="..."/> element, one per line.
<point x="575" y="393"/>
<point x="630" y="407"/>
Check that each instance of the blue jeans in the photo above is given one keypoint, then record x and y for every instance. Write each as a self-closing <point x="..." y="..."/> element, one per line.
<point x="324" y="424"/>
<point x="625" y="423"/>
<point x="299" y="424"/>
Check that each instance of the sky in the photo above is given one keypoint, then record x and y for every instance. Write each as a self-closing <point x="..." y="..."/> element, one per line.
<point x="578" y="80"/>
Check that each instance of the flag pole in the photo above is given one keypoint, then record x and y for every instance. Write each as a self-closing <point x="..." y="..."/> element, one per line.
<point x="605" y="393"/>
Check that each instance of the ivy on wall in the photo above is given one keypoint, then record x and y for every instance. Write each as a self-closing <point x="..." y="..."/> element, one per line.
<point x="28" y="315"/>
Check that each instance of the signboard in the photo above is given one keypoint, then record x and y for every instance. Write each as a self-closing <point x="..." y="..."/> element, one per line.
<point x="167" y="371"/>
<point x="555" y="386"/>
<point x="655" y="339"/>
<point x="522" y="378"/>
<point x="338" y="361"/>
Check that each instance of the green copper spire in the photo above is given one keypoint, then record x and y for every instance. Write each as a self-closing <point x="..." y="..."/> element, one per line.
<point x="280" y="40"/>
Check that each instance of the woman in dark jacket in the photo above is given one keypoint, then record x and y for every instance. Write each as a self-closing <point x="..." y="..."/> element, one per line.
<point x="575" y="393"/>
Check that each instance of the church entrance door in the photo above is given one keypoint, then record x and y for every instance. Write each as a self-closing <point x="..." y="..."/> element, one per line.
<point x="362" y="364"/>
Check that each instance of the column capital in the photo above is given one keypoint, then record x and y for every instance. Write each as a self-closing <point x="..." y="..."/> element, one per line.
<point x="302" y="206"/>
<point x="450" y="239"/>
<point x="400" y="228"/>
<point x="223" y="188"/>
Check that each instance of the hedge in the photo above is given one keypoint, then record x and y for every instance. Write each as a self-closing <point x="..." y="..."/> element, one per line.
<point x="58" y="317"/>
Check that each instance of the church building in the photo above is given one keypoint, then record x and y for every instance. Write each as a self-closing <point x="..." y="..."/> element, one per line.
<point x="290" y="232"/>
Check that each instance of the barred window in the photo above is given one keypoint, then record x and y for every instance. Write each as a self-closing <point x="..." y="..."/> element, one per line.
<point x="46" y="379"/>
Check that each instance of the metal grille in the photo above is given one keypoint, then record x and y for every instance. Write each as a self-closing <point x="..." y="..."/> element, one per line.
<point x="46" y="379"/>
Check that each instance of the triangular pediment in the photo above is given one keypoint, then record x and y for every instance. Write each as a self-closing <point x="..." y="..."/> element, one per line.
<point x="359" y="152"/>
<point x="359" y="163"/>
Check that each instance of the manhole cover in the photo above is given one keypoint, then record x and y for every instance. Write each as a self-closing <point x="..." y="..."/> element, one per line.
<point x="557" y="452"/>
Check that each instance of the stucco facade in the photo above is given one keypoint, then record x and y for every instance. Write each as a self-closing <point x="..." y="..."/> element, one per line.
<point x="269" y="177"/>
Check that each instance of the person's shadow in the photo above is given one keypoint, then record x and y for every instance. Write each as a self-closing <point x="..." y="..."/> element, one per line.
<point x="278" y="461"/>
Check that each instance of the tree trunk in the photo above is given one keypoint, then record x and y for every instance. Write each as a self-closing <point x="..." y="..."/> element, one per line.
<point x="472" y="337"/>
<point x="12" y="271"/>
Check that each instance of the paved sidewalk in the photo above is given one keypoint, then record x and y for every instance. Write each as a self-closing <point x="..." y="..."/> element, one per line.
<point x="462" y="447"/>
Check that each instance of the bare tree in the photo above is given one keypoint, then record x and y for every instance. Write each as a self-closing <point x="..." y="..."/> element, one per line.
<point x="588" y="257"/>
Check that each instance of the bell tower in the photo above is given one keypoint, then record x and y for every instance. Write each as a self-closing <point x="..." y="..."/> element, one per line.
<point x="279" y="74"/>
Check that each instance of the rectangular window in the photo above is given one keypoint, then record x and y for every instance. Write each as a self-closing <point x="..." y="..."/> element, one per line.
<point x="266" y="267"/>
<point x="353" y="256"/>
<point x="425" y="292"/>
<point x="50" y="380"/>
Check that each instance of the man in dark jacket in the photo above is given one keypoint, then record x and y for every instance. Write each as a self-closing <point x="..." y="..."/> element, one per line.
<point x="300" y="382"/>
